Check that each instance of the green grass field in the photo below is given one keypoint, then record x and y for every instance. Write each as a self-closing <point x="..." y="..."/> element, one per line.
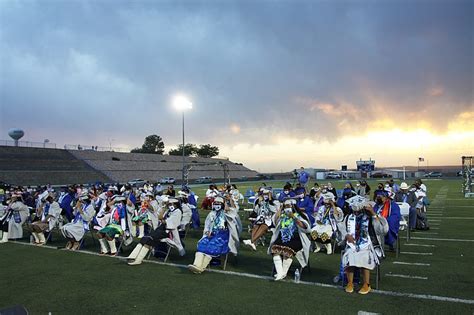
<point x="57" y="281"/>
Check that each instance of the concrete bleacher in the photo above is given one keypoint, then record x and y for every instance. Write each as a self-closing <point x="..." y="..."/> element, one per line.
<point x="122" y="167"/>
<point x="38" y="166"/>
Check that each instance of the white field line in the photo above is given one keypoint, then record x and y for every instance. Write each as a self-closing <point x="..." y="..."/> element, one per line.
<point x="425" y="233"/>
<point x="459" y="218"/>
<point x="435" y="220"/>
<point x="421" y="245"/>
<point x="453" y="206"/>
<point x="442" y="239"/>
<point x="406" y="276"/>
<point x="317" y="284"/>
<point x="434" y="228"/>
<point x="410" y="264"/>
<point x="414" y="253"/>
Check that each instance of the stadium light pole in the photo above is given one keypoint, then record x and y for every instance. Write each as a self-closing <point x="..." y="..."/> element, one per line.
<point x="181" y="103"/>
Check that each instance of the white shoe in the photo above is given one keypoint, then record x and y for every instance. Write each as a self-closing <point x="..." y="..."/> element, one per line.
<point x="317" y="249"/>
<point x="133" y="255"/>
<point x="4" y="237"/>
<point x="278" y="262"/>
<point x="280" y="277"/>
<point x="141" y="255"/>
<point x="247" y="242"/>
<point x="141" y="231"/>
<point x="328" y="249"/>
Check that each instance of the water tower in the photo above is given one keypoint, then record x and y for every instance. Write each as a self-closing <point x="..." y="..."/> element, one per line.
<point x="16" y="134"/>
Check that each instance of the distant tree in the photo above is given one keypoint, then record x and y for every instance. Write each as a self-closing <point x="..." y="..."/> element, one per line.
<point x="207" y="151"/>
<point x="153" y="144"/>
<point x="189" y="150"/>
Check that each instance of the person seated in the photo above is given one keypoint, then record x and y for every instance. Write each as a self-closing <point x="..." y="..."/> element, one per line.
<point x="408" y="196"/>
<point x="84" y="212"/>
<point x="211" y="193"/>
<point x="220" y="236"/>
<point x="363" y="189"/>
<point x="380" y="190"/>
<point x="170" y="192"/>
<point x="387" y="208"/>
<point x="289" y="238"/>
<point x="316" y="195"/>
<point x="325" y="224"/>
<point x="330" y="188"/>
<point x="361" y="231"/>
<point x="117" y="225"/>
<point x="286" y="193"/>
<point x="347" y="193"/>
<point x="166" y="232"/>
<point x="261" y="217"/>
<point x="305" y="203"/>
<point x="47" y="215"/>
<point x="140" y="216"/>
<point x="186" y="208"/>
<point x="13" y="218"/>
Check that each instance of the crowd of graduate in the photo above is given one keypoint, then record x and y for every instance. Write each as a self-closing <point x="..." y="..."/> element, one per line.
<point x="298" y="220"/>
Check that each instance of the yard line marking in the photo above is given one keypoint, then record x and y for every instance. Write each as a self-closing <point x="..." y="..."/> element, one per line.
<point x="421" y="245"/>
<point x="442" y="239"/>
<point x="317" y="284"/>
<point x="427" y="233"/>
<point x="410" y="264"/>
<point x="453" y="206"/>
<point x="406" y="276"/>
<point x="459" y="218"/>
<point x="434" y="228"/>
<point x="367" y="313"/>
<point x="30" y="244"/>
<point x="413" y="253"/>
<point x="435" y="220"/>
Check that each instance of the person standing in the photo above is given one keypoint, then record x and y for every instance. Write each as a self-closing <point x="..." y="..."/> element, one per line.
<point x="303" y="177"/>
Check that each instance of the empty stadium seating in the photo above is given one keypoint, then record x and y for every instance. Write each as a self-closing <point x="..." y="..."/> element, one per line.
<point x="35" y="166"/>
<point x="122" y="167"/>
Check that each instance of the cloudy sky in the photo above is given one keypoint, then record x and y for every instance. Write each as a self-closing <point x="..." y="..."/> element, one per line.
<point x="274" y="84"/>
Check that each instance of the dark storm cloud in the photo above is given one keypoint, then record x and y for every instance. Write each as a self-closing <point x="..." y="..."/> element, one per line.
<point x="88" y="71"/>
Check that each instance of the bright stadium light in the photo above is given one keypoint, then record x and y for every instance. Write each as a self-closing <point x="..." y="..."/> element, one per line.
<point x="182" y="103"/>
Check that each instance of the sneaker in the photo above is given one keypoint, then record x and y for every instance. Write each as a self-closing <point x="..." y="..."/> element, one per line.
<point x="253" y="246"/>
<point x="350" y="288"/>
<point x="365" y="289"/>
<point x="247" y="242"/>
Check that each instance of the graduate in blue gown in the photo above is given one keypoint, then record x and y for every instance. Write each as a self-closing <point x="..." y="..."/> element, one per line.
<point x="305" y="203"/>
<point x="389" y="209"/>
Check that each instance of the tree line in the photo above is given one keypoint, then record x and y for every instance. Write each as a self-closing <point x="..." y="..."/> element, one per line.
<point x="154" y="144"/>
